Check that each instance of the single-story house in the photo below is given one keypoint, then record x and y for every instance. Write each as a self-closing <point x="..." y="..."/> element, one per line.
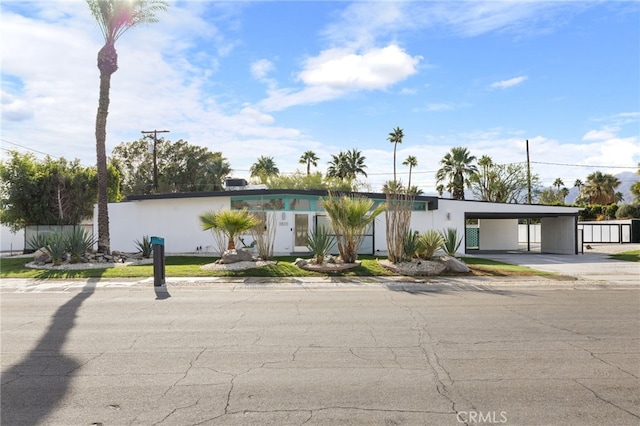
<point x="175" y="217"/>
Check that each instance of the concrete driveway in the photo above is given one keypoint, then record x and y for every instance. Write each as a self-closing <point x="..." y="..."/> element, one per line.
<point x="594" y="265"/>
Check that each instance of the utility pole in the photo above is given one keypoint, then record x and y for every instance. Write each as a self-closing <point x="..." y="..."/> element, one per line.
<point x="155" y="155"/>
<point x="528" y="198"/>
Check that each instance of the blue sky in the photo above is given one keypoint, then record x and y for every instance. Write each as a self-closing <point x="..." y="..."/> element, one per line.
<point x="279" y="78"/>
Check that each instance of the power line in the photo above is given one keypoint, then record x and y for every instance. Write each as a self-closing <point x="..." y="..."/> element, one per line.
<point x="584" y="165"/>
<point x="27" y="148"/>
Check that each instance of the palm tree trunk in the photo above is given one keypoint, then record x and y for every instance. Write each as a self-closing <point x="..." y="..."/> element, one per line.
<point x="108" y="64"/>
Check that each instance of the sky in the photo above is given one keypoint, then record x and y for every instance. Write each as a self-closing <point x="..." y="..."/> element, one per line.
<point x="275" y="79"/>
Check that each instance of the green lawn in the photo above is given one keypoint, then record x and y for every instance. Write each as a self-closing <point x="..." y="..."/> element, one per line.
<point x="189" y="266"/>
<point x="629" y="256"/>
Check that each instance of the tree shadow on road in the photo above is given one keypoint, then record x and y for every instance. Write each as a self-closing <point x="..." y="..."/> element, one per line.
<point x="33" y="388"/>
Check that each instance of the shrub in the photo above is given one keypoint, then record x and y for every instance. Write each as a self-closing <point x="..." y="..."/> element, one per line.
<point x="628" y="211"/>
<point x="77" y="243"/>
<point x="428" y="243"/>
<point x="319" y="243"/>
<point x="611" y="211"/>
<point x="145" y="247"/>
<point x="451" y="242"/>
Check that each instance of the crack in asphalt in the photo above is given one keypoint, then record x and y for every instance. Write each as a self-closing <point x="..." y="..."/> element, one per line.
<point x="605" y="400"/>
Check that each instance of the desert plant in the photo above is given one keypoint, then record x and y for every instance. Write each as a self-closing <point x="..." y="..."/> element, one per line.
<point x="411" y="244"/>
<point x="38" y="241"/>
<point x="319" y="242"/>
<point x="264" y="234"/>
<point x="144" y="246"/>
<point x="350" y="217"/>
<point x="428" y="242"/>
<point x="398" y="220"/>
<point x="56" y="247"/>
<point x="451" y="242"/>
<point x="230" y="222"/>
<point x="77" y="243"/>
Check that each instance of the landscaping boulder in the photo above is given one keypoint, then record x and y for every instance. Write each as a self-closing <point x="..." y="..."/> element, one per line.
<point x="234" y="256"/>
<point x="455" y="265"/>
<point x="299" y="262"/>
<point x="40" y="257"/>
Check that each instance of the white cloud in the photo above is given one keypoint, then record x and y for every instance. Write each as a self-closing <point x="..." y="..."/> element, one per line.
<point x="336" y="72"/>
<point x="260" y="68"/>
<point x="599" y="135"/>
<point x="503" y="84"/>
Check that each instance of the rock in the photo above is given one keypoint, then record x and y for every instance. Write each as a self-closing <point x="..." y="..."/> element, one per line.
<point x="455" y="265"/>
<point x="40" y="257"/>
<point x="299" y="262"/>
<point x="233" y="256"/>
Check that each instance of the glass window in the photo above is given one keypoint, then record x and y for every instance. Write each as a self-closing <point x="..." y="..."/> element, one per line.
<point x="299" y="204"/>
<point x="259" y="204"/>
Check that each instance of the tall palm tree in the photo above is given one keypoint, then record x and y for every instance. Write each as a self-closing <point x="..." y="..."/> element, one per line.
<point x="412" y="162"/>
<point x="263" y="168"/>
<point x="231" y="223"/>
<point x="395" y="137"/>
<point x="347" y="165"/>
<point x="309" y="158"/>
<point x="558" y="183"/>
<point x="600" y="188"/>
<point x="456" y="166"/>
<point x="114" y="18"/>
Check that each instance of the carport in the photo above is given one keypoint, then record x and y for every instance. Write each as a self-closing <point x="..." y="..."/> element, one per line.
<point x="498" y="231"/>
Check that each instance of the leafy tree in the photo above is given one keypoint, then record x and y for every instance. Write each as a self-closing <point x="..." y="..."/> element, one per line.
<point x="350" y="217"/>
<point x="215" y="173"/>
<point x="312" y="181"/>
<point x="310" y="159"/>
<point x="263" y="168"/>
<point x="347" y="165"/>
<point x="600" y="188"/>
<point x="395" y="137"/>
<point x="114" y="18"/>
<point x="635" y="188"/>
<point x="230" y="222"/>
<point x="456" y="167"/>
<point x="178" y="164"/>
<point x="500" y="183"/>
<point x="49" y="192"/>
<point x="412" y="162"/>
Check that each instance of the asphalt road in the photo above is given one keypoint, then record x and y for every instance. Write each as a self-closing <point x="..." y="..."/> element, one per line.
<point x="420" y="354"/>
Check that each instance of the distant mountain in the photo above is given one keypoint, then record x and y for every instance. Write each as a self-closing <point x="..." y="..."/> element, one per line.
<point x="626" y="180"/>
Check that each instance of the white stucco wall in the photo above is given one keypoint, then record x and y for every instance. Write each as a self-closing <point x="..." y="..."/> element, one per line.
<point x="11" y="241"/>
<point x="558" y="235"/>
<point x="176" y="220"/>
<point x="498" y="234"/>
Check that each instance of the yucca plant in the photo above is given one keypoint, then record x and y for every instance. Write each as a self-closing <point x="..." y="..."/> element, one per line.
<point x="451" y="242"/>
<point x="411" y="244"/>
<point x="428" y="242"/>
<point x="319" y="243"/>
<point x="56" y="247"/>
<point x="77" y="243"/>
<point x="350" y="217"/>
<point x="144" y="246"/>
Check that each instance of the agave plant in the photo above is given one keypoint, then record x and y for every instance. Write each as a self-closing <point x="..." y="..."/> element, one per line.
<point x="38" y="241"/>
<point x="56" y="247"/>
<point x="428" y="242"/>
<point x="144" y="246"/>
<point x="77" y="243"/>
<point x="319" y="243"/>
<point x="411" y="244"/>
<point x="451" y="242"/>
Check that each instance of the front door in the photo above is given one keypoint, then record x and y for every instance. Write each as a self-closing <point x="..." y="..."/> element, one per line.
<point x="301" y="230"/>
